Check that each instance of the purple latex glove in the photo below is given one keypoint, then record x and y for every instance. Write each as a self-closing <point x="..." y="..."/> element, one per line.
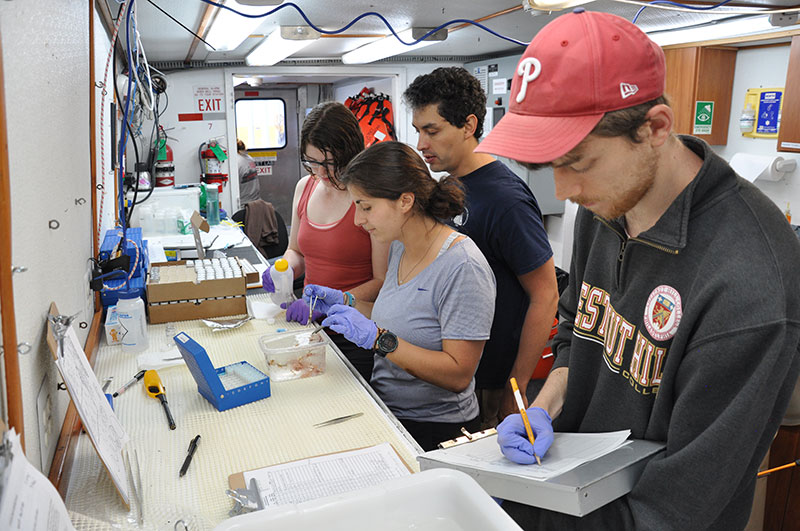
<point x="513" y="439"/>
<point x="352" y="325"/>
<point x="327" y="297"/>
<point x="298" y="312"/>
<point x="266" y="282"/>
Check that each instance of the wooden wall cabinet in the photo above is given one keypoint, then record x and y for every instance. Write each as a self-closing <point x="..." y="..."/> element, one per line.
<point x="701" y="73"/>
<point x="789" y="132"/>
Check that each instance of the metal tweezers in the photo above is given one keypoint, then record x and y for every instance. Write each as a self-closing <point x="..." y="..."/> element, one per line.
<point x="337" y="420"/>
<point x="311" y="308"/>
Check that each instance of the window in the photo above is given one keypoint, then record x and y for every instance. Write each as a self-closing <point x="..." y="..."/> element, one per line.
<point x="261" y="123"/>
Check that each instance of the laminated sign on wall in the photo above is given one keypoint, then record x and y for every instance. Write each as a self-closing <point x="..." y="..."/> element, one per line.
<point x="703" y="116"/>
<point x="767" y="104"/>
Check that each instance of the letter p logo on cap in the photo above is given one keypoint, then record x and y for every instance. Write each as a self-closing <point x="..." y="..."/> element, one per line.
<point x="524" y="70"/>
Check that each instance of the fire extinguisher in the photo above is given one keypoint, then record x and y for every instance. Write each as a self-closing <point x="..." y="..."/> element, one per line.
<point x="212" y="164"/>
<point x="165" y="166"/>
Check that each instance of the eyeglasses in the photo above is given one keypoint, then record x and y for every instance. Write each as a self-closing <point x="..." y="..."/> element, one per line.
<point x="313" y="166"/>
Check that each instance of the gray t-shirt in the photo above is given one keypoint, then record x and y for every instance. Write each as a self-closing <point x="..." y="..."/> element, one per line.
<point x="452" y="298"/>
<point x="249" y="185"/>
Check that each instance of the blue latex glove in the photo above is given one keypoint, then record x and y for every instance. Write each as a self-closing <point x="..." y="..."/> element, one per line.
<point x="513" y="439"/>
<point x="298" y="311"/>
<point x="266" y="281"/>
<point x="327" y="297"/>
<point x="352" y="325"/>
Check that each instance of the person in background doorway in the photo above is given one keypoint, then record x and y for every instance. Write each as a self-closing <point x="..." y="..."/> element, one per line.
<point x="681" y="321"/>
<point x="324" y="242"/>
<point x="434" y="311"/>
<point x="249" y="186"/>
<point x="503" y="218"/>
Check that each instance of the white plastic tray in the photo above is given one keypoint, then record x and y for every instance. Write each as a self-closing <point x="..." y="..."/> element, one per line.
<point x="439" y="499"/>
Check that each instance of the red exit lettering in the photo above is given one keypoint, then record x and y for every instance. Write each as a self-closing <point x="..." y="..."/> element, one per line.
<point x="210" y="104"/>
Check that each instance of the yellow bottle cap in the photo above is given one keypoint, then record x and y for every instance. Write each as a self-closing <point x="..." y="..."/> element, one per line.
<point x="281" y="265"/>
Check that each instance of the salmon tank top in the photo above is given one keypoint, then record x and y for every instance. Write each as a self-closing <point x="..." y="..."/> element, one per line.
<point x="338" y="255"/>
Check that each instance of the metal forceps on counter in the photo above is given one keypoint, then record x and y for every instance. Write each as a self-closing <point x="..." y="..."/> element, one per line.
<point x="337" y="420"/>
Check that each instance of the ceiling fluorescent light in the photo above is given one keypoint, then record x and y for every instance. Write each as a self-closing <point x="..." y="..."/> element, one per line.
<point x="280" y="44"/>
<point x="229" y="30"/>
<point x="721" y="30"/>
<point x="389" y="46"/>
<point x="551" y="5"/>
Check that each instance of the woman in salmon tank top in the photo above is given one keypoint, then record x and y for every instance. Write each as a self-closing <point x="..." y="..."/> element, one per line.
<point x="324" y="242"/>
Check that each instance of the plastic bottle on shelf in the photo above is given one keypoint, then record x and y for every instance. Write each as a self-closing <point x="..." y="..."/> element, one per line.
<point x="131" y="318"/>
<point x="160" y="222"/>
<point x="147" y="220"/>
<point x="212" y="205"/>
<point x="748" y="119"/>
<point x="171" y="223"/>
<point x="283" y="279"/>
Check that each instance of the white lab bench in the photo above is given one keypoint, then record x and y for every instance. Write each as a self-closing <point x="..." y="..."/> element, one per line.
<point x="266" y="432"/>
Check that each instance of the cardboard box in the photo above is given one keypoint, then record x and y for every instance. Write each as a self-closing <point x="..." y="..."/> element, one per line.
<point x="183" y="301"/>
<point x="113" y="328"/>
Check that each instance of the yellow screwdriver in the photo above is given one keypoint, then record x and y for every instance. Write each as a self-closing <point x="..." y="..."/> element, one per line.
<point x="152" y="384"/>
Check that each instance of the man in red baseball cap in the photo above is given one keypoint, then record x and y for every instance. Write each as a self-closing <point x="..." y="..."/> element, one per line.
<point x="681" y="321"/>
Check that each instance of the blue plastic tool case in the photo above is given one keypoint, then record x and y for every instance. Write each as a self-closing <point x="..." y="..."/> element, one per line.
<point x="137" y="282"/>
<point x="210" y="382"/>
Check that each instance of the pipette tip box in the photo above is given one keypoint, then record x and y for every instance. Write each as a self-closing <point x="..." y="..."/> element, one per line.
<point x="225" y="387"/>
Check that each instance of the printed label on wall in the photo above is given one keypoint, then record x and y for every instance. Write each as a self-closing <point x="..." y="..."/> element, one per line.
<point x="499" y="86"/>
<point x="703" y="116"/>
<point x="208" y="98"/>
<point x="769" y="106"/>
<point x="482" y="74"/>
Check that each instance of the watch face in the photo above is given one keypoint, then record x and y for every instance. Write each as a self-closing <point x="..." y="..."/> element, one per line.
<point x="387" y="342"/>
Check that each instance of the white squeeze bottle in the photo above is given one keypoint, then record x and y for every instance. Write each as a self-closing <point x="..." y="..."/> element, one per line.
<point x="283" y="279"/>
<point x="131" y="317"/>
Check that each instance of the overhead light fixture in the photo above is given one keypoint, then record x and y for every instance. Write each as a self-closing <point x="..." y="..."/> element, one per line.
<point x="280" y="44"/>
<point x="228" y="29"/>
<point x="551" y="5"/>
<point x="719" y="30"/>
<point x="389" y="46"/>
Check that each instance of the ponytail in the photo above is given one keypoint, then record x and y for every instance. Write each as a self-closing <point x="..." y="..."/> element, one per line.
<point x="447" y="199"/>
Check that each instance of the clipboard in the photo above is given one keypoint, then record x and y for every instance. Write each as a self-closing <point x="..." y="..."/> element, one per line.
<point x="576" y="492"/>
<point x="103" y="423"/>
<point x="238" y="485"/>
<point x="236" y="481"/>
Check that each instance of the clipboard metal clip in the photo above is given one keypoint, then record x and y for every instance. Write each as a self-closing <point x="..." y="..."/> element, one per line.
<point x="245" y="500"/>
<point x="467" y="437"/>
<point x="60" y="325"/>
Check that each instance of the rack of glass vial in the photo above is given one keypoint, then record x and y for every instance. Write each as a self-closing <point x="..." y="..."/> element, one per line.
<point x="196" y="289"/>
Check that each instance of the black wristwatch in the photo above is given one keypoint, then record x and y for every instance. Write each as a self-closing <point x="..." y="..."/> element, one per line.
<point x="385" y="343"/>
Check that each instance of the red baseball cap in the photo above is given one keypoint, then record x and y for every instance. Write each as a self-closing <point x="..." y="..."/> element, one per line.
<point x="577" y="68"/>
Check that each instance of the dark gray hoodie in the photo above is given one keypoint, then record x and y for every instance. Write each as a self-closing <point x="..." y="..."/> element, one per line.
<point x="688" y="334"/>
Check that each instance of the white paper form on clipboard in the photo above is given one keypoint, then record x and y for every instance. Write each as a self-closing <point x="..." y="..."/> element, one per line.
<point x="324" y="475"/>
<point x="101" y="424"/>
<point x="568" y="451"/>
<point x="27" y="499"/>
<point x="561" y="484"/>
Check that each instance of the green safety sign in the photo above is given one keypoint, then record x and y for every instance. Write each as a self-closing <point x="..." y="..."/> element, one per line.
<point x="703" y="116"/>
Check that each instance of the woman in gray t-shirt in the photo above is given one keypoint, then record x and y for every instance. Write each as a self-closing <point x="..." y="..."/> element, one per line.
<point x="434" y="311"/>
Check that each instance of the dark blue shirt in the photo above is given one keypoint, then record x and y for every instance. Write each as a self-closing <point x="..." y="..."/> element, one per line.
<point x="503" y="218"/>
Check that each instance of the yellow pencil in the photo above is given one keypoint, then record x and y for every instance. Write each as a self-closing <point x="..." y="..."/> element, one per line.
<point x="525" y="421"/>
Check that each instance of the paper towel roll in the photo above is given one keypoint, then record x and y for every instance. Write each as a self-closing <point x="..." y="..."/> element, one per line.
<point x="766" y="167"/>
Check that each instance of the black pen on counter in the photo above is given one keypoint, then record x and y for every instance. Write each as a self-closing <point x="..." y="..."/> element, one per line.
<point x="139" y="375"/>
<point x="188" y="460"/>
